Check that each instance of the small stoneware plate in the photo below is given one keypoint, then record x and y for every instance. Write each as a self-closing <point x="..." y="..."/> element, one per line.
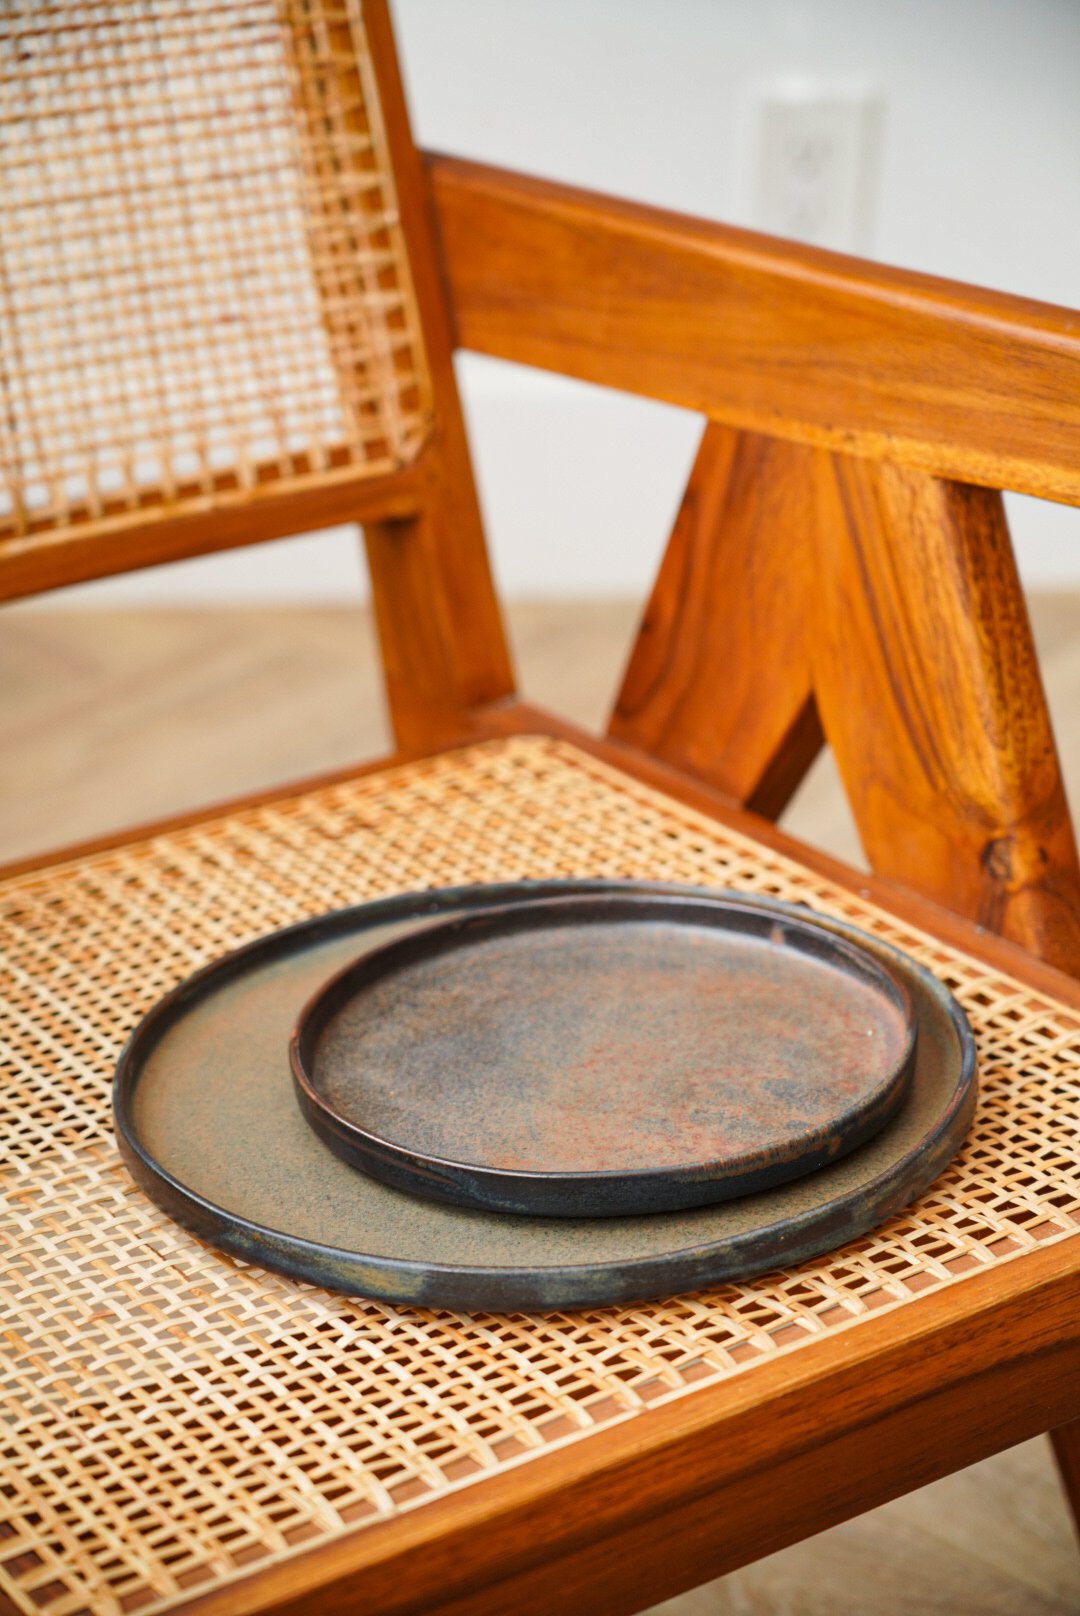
<point x="604" y="1054"/>
<point x="209" y="1126"/>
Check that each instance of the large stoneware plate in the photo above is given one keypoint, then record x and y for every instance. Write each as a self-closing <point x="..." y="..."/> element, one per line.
<point x="604" y="1054"/>
<point x="209" y="1125"/>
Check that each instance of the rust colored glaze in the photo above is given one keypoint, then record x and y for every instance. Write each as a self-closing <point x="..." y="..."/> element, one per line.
<point x="208" y="1124"/>
<point x="604" y="1055"/>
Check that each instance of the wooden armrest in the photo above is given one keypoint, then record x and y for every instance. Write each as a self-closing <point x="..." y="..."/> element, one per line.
<point x="762" y="333"/>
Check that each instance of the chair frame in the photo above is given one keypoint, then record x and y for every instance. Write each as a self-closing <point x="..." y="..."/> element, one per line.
<point x="844" y="507"/>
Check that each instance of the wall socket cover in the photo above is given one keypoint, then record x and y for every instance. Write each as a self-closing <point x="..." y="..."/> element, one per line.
<point x="816" y="150"/>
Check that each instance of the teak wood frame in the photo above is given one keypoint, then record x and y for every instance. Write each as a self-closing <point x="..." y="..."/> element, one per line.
<point x="843" y="513"/>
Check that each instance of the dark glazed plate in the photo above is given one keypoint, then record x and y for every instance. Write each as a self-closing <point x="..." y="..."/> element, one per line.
<point x="208" y="1124"/>
<point x="607" y="1054"/>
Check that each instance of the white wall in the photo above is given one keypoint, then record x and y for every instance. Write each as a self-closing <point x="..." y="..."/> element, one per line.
<point x="978" y="178"/>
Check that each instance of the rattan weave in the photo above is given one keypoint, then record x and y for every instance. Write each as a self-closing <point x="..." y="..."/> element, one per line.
<point x="172" y="1416"/>
<point x="203" y="284"/>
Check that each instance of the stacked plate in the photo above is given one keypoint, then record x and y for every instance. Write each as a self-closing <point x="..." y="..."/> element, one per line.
<point x="549" y="1094"/>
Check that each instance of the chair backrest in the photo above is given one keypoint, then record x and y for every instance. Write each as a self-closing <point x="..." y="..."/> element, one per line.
<point x="220" y="315"/>
<point x="229" y="301"/>
<point x="206" y="289"/>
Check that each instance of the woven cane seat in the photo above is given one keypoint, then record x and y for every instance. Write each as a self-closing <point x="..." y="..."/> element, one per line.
<point x="174" y="1418"/>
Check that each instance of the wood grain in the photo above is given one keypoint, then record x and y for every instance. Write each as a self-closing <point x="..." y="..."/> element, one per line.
<point x="719" y="682"/>
<point x="720" y="1477"/>
<point x="930" y="696"/>
<point x="520" y="718"/>
<point x="129" y="539"/>
<point x="763" y="334"/>
<point x="991" y="1540"/>
<point x="440" y="626"/>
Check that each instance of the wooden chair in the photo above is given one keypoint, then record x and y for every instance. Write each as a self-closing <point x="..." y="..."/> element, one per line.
<point x="233" y="291"/>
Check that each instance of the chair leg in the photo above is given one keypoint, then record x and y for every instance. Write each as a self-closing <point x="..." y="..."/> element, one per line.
<point x="1066" y="1445"/>
<point x="923" y="637"/>
<point x="699" y="692"/>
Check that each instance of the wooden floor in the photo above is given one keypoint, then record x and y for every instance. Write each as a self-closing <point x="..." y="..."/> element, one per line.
<point x="111" y="717"/>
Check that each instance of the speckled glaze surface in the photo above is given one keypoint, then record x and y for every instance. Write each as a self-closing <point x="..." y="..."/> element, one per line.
<point x="209" y="1126"/>
<point x="604" y="1054"/>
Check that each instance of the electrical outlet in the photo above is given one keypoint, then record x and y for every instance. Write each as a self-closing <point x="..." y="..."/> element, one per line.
<point x="817" y="151"/>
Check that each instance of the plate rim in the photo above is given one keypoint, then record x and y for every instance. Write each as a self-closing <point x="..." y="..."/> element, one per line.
<point x="602" y="1192"/>
<point x="487" y="1288"/>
